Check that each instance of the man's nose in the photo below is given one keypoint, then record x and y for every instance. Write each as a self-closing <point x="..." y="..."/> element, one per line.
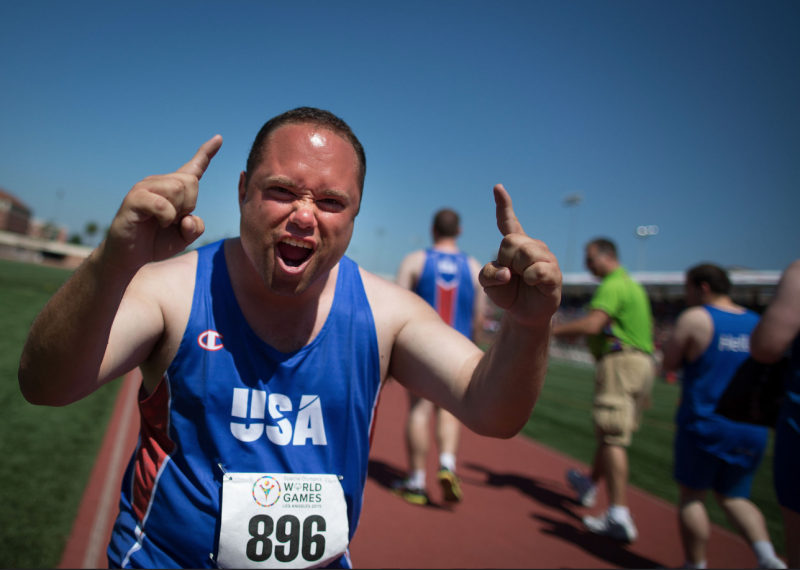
<point x="303" y="215"/>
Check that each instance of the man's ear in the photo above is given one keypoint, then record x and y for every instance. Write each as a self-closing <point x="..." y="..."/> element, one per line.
<point x="242" y="187"/>
<point x="706" y="289"/>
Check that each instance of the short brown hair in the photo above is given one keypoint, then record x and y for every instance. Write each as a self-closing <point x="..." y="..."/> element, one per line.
<point x="446" y="223"/>
<point x="604" y="246"/>
<point x="307" y="115"/>
<point x="716" y="277"/>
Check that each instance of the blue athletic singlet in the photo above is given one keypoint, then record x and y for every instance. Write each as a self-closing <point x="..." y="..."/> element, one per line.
<point x="230" y="403"/>
<point x="446" y="284"/>
<point x="704" y="382"/>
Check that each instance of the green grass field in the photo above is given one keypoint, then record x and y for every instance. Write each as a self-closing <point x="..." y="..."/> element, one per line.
<point x="561" y="420"/>
<point x="47" y="453"/>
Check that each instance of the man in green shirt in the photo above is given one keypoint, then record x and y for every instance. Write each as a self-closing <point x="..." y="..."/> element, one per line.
<point x="620" y="330"/>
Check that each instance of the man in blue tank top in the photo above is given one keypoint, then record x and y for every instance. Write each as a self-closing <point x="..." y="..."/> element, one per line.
<point x="262" y="356"/>
<point x="777" y="333"/>
<point x="711" y="340"/>
<point x="448" y="280"/>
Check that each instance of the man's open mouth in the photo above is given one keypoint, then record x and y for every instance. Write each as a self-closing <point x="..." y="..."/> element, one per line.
<point x="294" y="252"/>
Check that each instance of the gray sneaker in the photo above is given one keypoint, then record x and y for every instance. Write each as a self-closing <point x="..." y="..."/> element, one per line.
<point x="583" y="486"/>
<point x="604" y="526"/>
<point x="772" y="563"/>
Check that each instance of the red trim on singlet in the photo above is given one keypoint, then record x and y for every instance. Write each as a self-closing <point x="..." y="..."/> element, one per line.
<point x="446" y="303"/>
<point x="155" y="445"/>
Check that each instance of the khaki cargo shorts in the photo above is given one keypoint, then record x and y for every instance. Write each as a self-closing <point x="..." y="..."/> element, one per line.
<point x="623" y="384"/>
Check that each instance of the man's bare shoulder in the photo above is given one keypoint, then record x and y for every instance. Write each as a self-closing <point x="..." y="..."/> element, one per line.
<point x="694" y="319"/>
<point x="410" y="269"/>
<point x="414" y="256"/>
<point x="694" y="314"/>
<point x="166" y="285"/>
<point x="391" y="302"/>
<point x="413" y="262"/>
<point x="474" y="266"/>
<point x="380" y="290"/>
<point x="168" y="274"/>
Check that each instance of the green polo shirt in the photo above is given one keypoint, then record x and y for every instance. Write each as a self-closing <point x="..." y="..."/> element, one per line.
<point x="626" y="302"/>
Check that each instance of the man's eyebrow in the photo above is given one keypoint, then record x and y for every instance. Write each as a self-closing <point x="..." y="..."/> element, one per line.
<point x="280" y="181"/>
<point x="334" y="193"/>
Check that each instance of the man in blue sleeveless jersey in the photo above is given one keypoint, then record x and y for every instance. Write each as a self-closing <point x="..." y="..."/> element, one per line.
<point x="262" y="355"/>
<point x="448" y="280"/>
<point x="711" y="340"/>
<point x="777" y="333"/>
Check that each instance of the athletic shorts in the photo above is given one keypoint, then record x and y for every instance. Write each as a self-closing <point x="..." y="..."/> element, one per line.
<point x="698" y="469"/>
<point x="786" y="463"/>
<point x="623" y="384"/>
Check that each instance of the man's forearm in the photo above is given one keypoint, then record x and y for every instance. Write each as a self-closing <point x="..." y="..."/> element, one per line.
<point x="64" y="350"/>
<point x="506" y="382"/>
<point x="575" y="328"/>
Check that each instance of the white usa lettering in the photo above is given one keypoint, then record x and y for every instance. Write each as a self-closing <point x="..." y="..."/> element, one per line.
<point x="731" y="343"/>
<point x="447" y="266"/>
<point x="308" y="423"/>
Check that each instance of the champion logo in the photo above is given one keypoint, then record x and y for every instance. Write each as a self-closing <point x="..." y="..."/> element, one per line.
<point x="210" y="340"/>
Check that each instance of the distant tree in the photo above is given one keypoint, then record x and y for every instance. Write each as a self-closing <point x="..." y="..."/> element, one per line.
<point x="75" y="239"/>
<point x="91" y="230"/>
<point x="49" y="231"/>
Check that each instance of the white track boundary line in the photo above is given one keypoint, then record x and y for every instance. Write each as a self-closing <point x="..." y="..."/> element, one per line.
<point x="97" y="536"/>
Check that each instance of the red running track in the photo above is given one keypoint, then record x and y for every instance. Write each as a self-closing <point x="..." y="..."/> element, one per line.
<point x="517" y="511"/>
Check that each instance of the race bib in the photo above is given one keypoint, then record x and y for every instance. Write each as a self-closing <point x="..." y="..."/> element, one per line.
<point x="281" y="520"/>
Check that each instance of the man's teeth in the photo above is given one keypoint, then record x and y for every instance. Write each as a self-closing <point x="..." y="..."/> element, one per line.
<point x="296" y="243"/>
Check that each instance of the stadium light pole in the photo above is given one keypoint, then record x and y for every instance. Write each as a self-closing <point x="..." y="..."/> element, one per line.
<point x="571" y="201"/>
<point x="644" y="233"/>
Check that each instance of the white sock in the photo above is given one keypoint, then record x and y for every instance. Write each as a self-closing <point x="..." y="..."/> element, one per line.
<point x="764" y="551"/>
<point x="417" y="479"/>
<point x="701" y="564"/>
<point x="447" y="461"/>
<point x="619" y="513"/>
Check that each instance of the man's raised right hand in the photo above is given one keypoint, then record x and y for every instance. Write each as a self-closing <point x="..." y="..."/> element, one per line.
<point x="155" y="220"/>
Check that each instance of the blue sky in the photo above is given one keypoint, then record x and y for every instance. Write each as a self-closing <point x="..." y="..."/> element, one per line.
<point x="680" y="114"/>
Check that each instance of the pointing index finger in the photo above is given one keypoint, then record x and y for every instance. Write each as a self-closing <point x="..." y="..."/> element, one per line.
<point x="200" y="161"/>
<point x="507" y="221"/>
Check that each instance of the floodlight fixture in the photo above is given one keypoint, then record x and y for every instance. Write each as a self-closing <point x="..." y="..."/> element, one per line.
<point x="644" y="232"/>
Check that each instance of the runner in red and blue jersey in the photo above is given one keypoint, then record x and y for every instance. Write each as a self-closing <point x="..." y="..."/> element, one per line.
<point x="448" y="280"/>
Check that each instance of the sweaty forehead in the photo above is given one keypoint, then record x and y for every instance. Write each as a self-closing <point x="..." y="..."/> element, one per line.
<point x="310" y="138"/>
